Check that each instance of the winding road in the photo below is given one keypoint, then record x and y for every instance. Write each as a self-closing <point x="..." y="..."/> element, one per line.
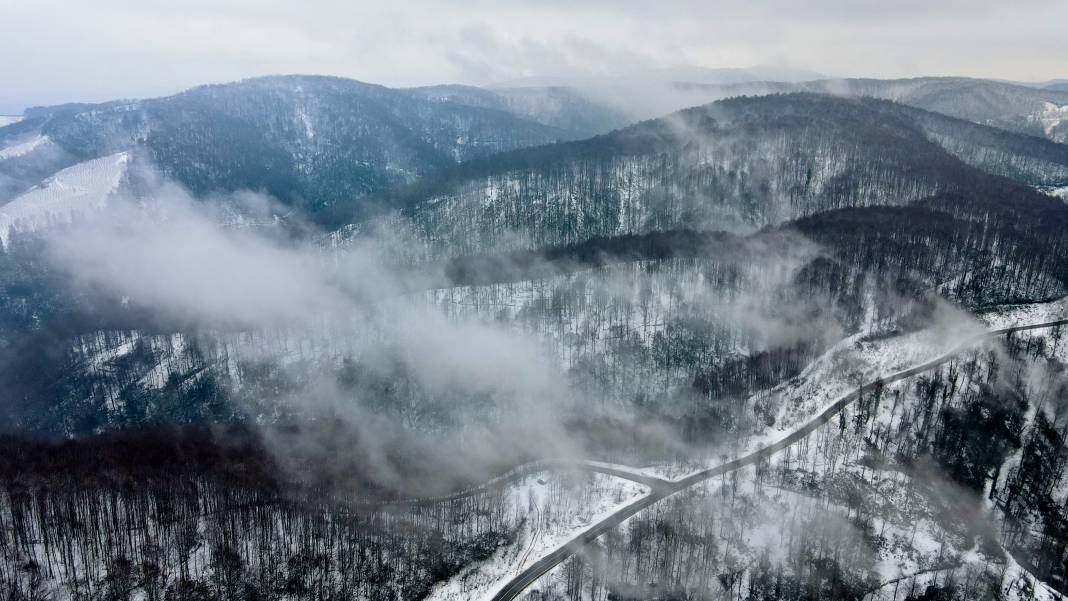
<point x="518" y="473"/>
<point x="664" y="489"/>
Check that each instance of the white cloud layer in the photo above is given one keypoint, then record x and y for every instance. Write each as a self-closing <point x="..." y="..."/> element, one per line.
<point x="60" y="50"/>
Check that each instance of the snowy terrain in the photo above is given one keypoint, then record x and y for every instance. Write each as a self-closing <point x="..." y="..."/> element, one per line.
<point x="85" y="186"/>
<point x="860" y="359"/>
<point x="767" y="517"/>
<point x="641" y="300"/>
<point x="1018" y="584"/>
<point x="1051" y="118"/>
<point x="1013" y="315"/>
<point x="6" y="120"/>
<point x="481" y="214"/>
<point x="802" y="484"/>
<point x="854" y="361"/>
<point x="668" y="471"/>
<point x="1058" y="191"/>
<point x="549" y="521"/>
<point x="22" y="148"/>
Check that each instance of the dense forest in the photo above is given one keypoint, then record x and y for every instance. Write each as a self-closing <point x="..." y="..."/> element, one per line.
<point x="735" y="165"/>
<point x="176" y="515"/>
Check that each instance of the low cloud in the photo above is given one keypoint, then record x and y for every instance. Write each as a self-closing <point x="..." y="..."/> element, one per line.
<point x="176" y="257"/>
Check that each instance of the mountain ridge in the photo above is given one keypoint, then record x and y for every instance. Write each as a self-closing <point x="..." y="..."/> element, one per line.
<point x="800" y="153"/>
<point x="307" y="140"/>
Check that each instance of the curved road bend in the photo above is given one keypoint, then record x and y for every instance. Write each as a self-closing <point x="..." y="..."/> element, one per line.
<point x="517" y="585"/>
<point x="521" y="472"/>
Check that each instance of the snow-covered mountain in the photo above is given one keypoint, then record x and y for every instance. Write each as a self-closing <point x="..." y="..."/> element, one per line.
<point x="1015" y="107"/>
<point x="1008" y="106"/>
<point x="309" y="141"/>
<point x="314" y="142"/>
<point x="744" y="344"/>
<point x="734" y="165"/>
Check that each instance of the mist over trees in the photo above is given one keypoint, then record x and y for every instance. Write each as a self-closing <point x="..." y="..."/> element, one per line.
<point x="337" y="388"/>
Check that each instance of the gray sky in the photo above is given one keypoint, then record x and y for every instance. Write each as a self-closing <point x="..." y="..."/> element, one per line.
<point x="69" y="50"/>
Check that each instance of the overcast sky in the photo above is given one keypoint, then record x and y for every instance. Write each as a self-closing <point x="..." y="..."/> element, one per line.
<point x="56" y="51"/>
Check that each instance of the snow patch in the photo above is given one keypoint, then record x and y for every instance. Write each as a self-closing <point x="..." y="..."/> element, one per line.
<point x="667" y="471"/>
<point x="1061" y="192"/>
<point x="305" y="120"/>
<point x="1051" y="117"/>
<point x="1006" y="316"/>
<point x="6" y="120"/>
<point x="1018" y="584"/>
<point x="17" y="150"/>
<point x="85" y="186"/>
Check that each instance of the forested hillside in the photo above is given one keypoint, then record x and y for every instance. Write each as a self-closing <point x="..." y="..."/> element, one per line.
<point x="566" y="108"/>
<point x="734" y="165"/>
<point x="601" y="250"/>
<point x="308" y="141"/>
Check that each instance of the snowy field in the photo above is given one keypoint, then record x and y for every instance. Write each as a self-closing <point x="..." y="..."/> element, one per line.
<point x="85" y="186"/>
<point x="6" y="120"/>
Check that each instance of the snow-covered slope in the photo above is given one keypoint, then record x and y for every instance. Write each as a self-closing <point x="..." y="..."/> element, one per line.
<point x="6" y="120"/>
<point x="1059" y="192"/>
<point x="1014" y="315"/>
<point x="548" y="521"/>
<point x="736" y="165"/>
<point x="21" y="148"/>
<point x="303" y="139"/>
<point x="817" y="486"/>
<point x="84" y="186"/>
<point x="1051" y="118"/>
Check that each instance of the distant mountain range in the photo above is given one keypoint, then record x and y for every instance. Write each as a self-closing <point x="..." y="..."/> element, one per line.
<point x="1031" y="109"/>
<point x="1051" y="84"/>
<point x="319" y="143"/>
<point x="699" y="75"/>
<point x="1040" y="112"/>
